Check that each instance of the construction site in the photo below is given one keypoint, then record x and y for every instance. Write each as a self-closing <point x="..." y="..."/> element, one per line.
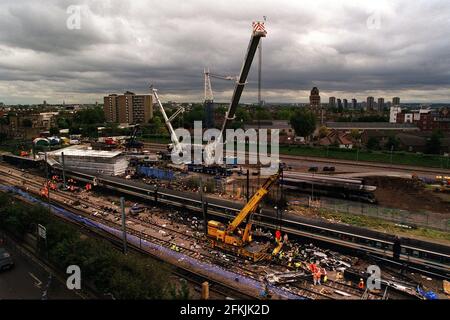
<point x="231" y="230"/>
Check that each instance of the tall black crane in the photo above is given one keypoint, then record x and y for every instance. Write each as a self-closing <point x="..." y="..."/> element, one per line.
<point x="258" y="32"/>
<point x="132" y="143"/>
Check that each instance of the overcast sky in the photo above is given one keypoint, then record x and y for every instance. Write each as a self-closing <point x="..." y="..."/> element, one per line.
<point x="346" y="48"/>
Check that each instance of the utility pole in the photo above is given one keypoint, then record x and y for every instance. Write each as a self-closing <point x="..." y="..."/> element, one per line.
<point x="281" y="205"/>
<point x="204" y="208"/>
<point x="47" y="182"/>
<point x="392" y="150"/>
<point x="64" y="170"/>
<point x="124" y="225"/>
<point x="260" y="69"/>
<point x="248" y="185"/>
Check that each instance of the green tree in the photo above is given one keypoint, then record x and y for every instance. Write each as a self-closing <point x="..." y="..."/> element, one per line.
<point x="62" y="123"/>
<point x="392" y="143"/>
<point x="242" y="115"/>
<point x="373" y="143"/>
<point x="197" y="113"/>
<point x="89" y="116"/>
<point x="90" y="130"/>
<point x="284" y="114"/>
<point x="304" y="122"/>
<point x="355" y="134"/>
<point x="262" y="113"/>
<point x="156" y="125"/>
<point x="323" y="131"/>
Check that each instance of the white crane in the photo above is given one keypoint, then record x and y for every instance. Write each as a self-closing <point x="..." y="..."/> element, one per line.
<point x="209" y="96"/>
<point x="176" y="146"/>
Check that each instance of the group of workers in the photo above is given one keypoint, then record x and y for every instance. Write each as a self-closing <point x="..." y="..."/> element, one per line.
<point x="52" y="185"/>
<point x="320" y="275"/>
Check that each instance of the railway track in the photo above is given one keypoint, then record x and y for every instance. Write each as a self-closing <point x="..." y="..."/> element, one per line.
<point x="300" y="290"/>
<point x="217" y="287"/>
<point x="95" y="207"/>
<point x="68" y="200"/>
<point x="427" y="257"/>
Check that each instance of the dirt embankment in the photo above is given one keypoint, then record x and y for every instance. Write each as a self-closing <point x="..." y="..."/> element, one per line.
<point x="407" y="194"/>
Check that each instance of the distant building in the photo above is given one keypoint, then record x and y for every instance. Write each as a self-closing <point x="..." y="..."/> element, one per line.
<point x="396" y="101"/>
<point x="332" y="102"/>
<point x="354" y="103"/>
<point x="287" y="133"/>
<point x="370" y="103"/>
<point x="29" y="124"/>
<point x="380" y="104"/>
<point x="394" y="111"/>
<point x="339" y="103"/>
<point x="426" y="119"/>
<point x="371" y="126"/>
<point x="340" y="139"/>
<point x="128" y="108"/>
<point x="345" y="103"/>
<point x="314" y="98"/>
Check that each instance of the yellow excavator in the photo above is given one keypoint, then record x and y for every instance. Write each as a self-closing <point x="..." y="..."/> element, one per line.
<point x="239" y="241"/>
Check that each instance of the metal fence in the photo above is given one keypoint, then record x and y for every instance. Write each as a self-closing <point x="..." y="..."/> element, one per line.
<point x="408" y="218"/>
<point x="404" y="217"/>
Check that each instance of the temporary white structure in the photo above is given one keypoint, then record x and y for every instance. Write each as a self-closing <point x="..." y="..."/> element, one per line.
<point x="97" y="161"/>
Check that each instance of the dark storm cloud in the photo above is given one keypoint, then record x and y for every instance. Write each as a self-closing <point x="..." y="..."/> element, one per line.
<point x="346" y="48"/>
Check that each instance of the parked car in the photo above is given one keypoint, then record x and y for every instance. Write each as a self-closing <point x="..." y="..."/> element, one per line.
<point x="313" y="169"/>
<point x="6" y="262"/>
<point x="330" y="169"/>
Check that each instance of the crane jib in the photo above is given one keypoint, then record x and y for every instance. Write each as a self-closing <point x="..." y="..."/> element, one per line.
<point x="239" y="87"/>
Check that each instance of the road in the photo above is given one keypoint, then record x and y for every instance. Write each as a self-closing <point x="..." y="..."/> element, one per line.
<point x="303" y="163"/>
<point x="28" y="280"/>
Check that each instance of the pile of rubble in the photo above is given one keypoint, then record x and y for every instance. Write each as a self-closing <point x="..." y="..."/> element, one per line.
<point x="300" y="255"/>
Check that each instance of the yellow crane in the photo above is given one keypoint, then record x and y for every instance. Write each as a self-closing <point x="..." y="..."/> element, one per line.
<point x="237" y="240"/>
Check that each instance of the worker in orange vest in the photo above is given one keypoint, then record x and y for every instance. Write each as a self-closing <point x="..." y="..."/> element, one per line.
<point x="316" y="277"/>
<point x="361" y="284"/>
<point x="313" y="267"/>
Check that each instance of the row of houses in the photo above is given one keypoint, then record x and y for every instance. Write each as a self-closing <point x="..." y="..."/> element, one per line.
<point x="426" y="118"/>
<point x="349" y="135"/>
<point x="26" y="125"/>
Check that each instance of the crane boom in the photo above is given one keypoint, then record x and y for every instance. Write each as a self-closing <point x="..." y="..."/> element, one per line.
<point x="258" y="32"/>
<point x="253" y="203"/>
<point x="176" y="143"/>
<point x="235" y="78"/>
<point x="239" y="240"/>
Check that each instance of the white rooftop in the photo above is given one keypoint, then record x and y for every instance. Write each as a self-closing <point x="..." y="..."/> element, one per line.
<point x="83" y="151"/>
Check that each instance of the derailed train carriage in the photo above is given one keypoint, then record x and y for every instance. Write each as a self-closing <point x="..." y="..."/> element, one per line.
<point x="322" y="185"/>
